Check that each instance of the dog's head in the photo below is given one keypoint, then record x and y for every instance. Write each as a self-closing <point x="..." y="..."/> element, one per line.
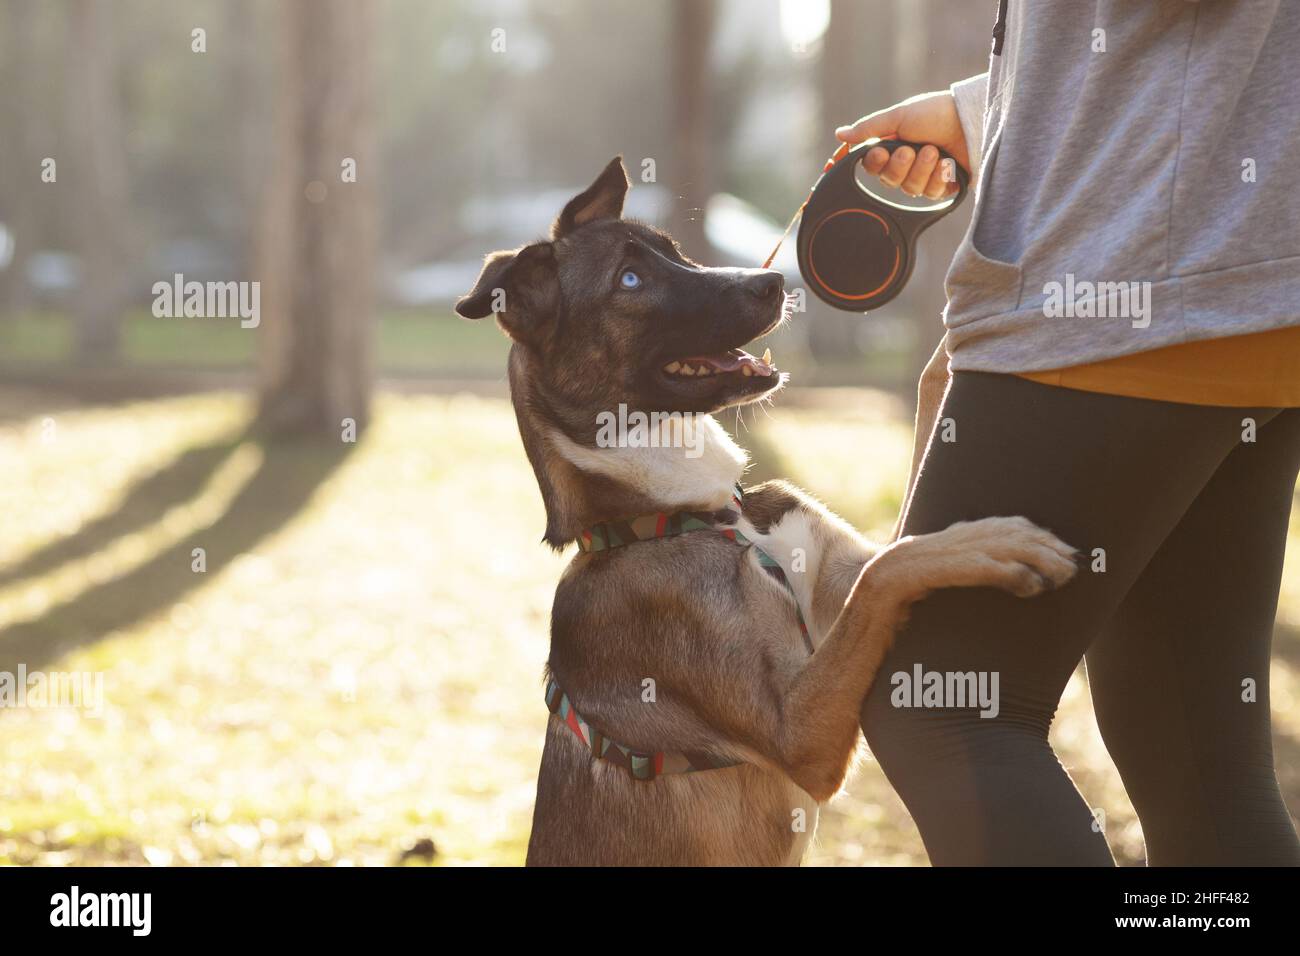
<point x="612" y="312"/>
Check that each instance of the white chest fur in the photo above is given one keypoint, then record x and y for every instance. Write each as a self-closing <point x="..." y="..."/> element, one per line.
<point x="793" y="544"/>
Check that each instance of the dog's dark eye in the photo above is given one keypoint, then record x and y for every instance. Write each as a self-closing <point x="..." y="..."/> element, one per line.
<point x="629" y="280"/>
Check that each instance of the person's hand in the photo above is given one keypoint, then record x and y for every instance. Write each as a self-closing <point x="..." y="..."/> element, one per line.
<point x="930" y="118"/>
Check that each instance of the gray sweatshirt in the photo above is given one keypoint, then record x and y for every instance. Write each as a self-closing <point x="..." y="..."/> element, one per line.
<point x="1137" y="181"/>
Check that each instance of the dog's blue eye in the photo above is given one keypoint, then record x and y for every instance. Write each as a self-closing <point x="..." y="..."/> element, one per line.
<point x="629" y="280"/>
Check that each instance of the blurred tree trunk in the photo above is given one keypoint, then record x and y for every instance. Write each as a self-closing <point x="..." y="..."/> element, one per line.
<point x="318" y="235"/>
<point x="244" y="80"/>
<point x="96" y="177"/>
<point x="692" y="181"/>
<point x="939" y="42"/>
<point x="20" y="172"/>
<point x="856" y="77"/>
<point x="856" y="64"/>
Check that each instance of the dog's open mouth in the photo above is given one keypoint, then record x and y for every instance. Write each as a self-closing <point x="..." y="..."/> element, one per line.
<point x="732" y="362"/>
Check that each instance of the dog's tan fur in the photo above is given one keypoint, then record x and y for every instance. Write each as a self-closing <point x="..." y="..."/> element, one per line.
<point x="686" y="643"/>
<point x="699" y="617"/>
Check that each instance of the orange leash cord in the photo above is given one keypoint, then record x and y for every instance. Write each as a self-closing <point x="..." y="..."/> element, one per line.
<point x="835" y="158"/>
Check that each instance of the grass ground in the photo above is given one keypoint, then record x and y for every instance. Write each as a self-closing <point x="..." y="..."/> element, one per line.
<point x="357" y="668"/>
<point x="407" y="341"/>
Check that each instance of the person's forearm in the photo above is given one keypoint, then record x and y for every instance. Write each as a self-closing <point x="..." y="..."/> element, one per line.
<point x="930" y="390"/>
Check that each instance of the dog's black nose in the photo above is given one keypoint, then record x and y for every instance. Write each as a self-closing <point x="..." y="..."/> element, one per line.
<point x="767" y="284"/>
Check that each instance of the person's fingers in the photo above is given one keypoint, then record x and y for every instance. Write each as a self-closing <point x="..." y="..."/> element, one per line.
<point x="918" y="177"/>
<point x="880" y="125"/>
<point x="877" y="156"/>
<point x="942" y="183"/>
<point x="898" y="166"/>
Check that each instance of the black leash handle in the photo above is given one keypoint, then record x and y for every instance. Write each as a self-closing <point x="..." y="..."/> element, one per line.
<point x="960" y="176"/>
<point x="856" y="249"/>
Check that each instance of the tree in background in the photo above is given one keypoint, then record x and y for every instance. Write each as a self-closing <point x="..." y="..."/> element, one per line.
<point x="318" y="232"/>
<point x="18" y="170"/>
<point x="874" y="55"/>
<point x="241" y="82"/>
<point x="94" y="169"/>
<point x="856" y="77"/>
<point x="938" y="43"/>
<point x="691" y="37"/>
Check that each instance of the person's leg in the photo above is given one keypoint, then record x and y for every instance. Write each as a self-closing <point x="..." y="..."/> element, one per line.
<point x="1169" y="672"/>
<point x="1101" y="472"/>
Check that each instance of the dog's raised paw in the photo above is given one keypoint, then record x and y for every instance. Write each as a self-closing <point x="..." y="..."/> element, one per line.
<point x="1025" y="559"/>
<point x="1010" y="553"/>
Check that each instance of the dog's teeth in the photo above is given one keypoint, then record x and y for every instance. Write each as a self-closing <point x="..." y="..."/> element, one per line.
<point x="687" y="370"/>
<point x="746" y="370"/>
<point x="767" y="356"/>
<point x="672" y="367"/>
<point x="705" y="370"/>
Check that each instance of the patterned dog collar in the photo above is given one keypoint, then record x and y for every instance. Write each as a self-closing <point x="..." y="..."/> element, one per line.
<point x="614" y="534"/>
<point x="642" y="766"/>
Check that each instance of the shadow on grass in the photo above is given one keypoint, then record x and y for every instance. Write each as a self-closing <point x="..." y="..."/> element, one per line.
<point x="283" y="483"/>
<point x="49" y="388"/>
<point x="21" y="405"/>
<point x="146" y="501"/>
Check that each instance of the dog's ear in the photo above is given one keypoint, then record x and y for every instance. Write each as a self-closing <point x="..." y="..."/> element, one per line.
<point x="603" y="199"/>
<point x="522" y="288"/>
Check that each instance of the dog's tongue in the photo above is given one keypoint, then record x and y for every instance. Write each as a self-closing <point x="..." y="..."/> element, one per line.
<point x="731" y="361"/>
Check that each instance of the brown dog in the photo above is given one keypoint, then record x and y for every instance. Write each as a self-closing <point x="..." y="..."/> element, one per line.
<point x="731" y="635"/>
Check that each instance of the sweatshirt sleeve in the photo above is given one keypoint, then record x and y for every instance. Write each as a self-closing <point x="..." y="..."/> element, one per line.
<point x="971" y="96"/>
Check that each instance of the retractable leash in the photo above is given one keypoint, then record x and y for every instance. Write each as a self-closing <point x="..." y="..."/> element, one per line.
<point x="856" y="249"/>
<point x="835" y="158"/>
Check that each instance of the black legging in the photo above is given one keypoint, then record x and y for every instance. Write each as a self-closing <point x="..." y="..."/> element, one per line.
<point x="1193" y="523"/>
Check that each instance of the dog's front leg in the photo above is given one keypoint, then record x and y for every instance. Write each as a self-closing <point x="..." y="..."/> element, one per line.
<point x="819" y="716"/>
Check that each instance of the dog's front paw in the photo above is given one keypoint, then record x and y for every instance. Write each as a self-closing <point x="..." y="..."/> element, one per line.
<point x="1014" y="554"/>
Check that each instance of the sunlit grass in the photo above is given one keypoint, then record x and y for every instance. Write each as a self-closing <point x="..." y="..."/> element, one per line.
<point x="132" y="549"/>
<point x="366" y="677"/>
<point x="407" y="340"/>
<point x="366" y="673"/>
